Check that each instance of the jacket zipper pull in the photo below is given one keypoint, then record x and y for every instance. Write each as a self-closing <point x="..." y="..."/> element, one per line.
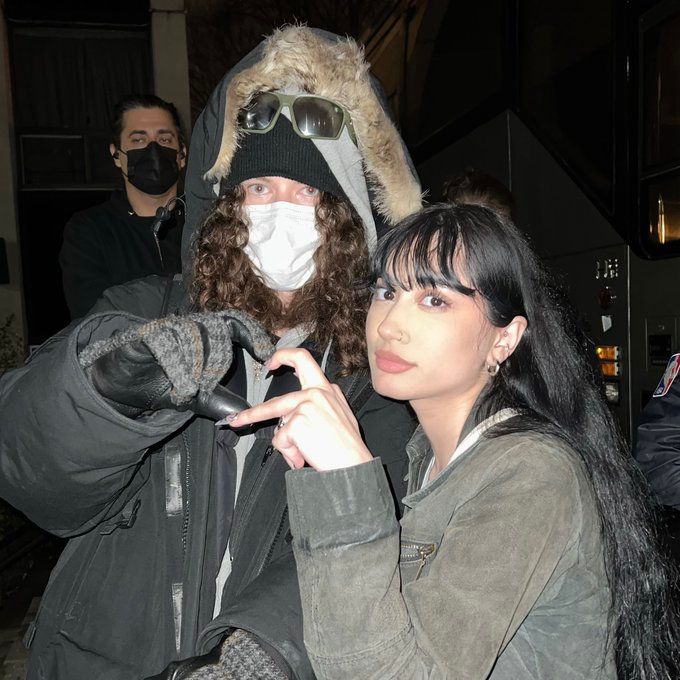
<point x="424" y="551"/>
<point x="267" y="453"/>
<point x="154" y="230"/>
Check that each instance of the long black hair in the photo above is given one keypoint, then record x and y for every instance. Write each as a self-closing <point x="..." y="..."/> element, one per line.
<point x="551" y="380"/>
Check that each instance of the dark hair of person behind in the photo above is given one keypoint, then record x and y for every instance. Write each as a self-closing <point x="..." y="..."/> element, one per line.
<point x="477" y="187"/>
<point x="333" y="302"/>
<point x="550" y="379"/>
<point x="142" y="101"/>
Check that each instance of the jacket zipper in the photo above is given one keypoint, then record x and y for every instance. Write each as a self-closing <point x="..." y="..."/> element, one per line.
<point x="411" y="551"/>
<point x="155" y="231"/>
<point x="275" y="540"/>
<point x="268" y="452"/>
<point x="187" y="494"/>
<point x="238" y="528"/>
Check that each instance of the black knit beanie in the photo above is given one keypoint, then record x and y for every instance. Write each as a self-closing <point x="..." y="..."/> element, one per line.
<point x="281" y="152"/>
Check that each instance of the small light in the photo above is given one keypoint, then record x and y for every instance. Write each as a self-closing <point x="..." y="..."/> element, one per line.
<point x="608" y="352"/>
<point x="610" y="369"/>
<point x="611" y="392"/>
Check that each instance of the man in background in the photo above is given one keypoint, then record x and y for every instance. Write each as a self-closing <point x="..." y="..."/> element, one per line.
<point x="138" y="231"/>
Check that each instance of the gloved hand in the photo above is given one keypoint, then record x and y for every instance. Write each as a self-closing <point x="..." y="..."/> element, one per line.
<point x="175" y="362"/>
<point x="237" y="657"/>
<point x="181" y="670"/>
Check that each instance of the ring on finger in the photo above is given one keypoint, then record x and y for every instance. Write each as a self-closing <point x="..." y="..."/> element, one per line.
<point x="281" y="423"/>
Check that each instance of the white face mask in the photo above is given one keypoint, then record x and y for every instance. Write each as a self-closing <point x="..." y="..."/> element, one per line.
<point x="282" y="240"/>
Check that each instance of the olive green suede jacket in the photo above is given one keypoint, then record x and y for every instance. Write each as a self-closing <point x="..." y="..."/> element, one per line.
<point x="496" y="571"/>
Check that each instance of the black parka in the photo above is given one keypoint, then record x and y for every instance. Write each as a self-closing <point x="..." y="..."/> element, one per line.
<point x="657" y="449"/>
<point x="148" y="503"/>
<point x="81" y="470"/>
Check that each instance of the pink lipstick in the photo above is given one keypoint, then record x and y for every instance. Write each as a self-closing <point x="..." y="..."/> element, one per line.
<point x="391" y="363"/>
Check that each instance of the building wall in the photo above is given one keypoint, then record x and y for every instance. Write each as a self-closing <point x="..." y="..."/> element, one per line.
<point x="170" y="63"/>
<point x="11" y="301"/>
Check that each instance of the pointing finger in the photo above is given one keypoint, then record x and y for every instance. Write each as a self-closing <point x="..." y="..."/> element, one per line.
<point x="269" y="410"/>
<point x="280" y="406"/>
<point x="309" y="373"/>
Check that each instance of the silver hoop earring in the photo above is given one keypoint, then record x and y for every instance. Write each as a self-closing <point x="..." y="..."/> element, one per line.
<point x="492" y="369"/>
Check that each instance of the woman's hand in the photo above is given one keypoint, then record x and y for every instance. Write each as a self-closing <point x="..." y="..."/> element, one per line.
<point x="316" y="424"/>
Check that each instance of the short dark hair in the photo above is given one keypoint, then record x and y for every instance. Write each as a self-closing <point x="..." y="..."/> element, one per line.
<point x="479" y="188"/>
<point x="142" y="101"/>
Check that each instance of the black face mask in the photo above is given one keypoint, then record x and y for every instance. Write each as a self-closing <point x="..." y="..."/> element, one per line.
<point x="152" y="169"/>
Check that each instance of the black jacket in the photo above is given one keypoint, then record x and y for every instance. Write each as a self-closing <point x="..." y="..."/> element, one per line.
<point x="137" y="558"/>
<point x="657" y="450"/>
<point x="148" y="502"/>
<point x="108" y="245"/>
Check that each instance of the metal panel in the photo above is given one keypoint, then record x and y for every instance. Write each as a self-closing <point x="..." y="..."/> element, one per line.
<point x="597" y="283"/>
<point x="550" y="206"/>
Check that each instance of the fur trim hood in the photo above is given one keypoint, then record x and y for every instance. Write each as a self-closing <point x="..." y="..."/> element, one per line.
<point x="297" y="58"/>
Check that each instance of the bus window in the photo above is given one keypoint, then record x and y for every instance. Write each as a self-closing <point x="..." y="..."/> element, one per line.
<point x="659" y="165"/>
<point x="663" y="203"/>
<point x="661" y="93"/>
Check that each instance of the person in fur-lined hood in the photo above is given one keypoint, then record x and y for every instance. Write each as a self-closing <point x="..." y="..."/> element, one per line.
<point x="302" y="59"/>
<point x="180" y="563"/>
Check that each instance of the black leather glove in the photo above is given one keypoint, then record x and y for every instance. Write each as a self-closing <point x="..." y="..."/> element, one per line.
<point x="240" y="656"/>
<point x="174" y="362"/>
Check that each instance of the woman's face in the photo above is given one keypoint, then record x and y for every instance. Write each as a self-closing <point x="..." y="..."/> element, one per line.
<point x="429" y="346"/>
<point x="264" y="190"/>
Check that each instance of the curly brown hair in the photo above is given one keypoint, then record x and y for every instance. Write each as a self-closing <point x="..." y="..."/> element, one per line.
<point x="333" y="302"/>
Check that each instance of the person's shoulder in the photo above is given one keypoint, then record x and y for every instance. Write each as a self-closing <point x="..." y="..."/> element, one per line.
<point x="99" y="215"/>
<point x="142" y="297"/>
<point x="537" y="470"/>
<point x="663" y="407"/>
<point x="542" y="459"/>
<point x="387" y="426"/>
<point x="377" y="401"/>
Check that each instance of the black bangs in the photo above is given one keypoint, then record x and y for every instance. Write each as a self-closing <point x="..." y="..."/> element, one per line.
<point x="420" y="252"/>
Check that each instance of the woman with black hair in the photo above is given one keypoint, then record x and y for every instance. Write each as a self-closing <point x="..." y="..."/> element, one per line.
<point x="527" y="548"/>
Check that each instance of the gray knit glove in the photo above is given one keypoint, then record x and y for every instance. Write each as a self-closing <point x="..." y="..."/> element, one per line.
<point x="175" y="362"/>
<point x="241" y="658"/>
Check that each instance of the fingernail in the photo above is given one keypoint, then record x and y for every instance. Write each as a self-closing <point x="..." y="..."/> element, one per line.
<point x="227" y="420"/>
